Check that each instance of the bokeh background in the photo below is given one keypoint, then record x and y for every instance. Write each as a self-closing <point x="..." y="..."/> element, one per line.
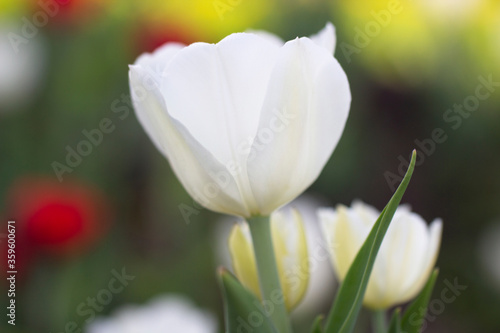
<point x="415" y="68"/>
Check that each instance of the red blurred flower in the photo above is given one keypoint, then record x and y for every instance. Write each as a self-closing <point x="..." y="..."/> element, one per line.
<point x="67" y="12"/>
<point x="152" y="36"/>
<point x="60" y="219"/>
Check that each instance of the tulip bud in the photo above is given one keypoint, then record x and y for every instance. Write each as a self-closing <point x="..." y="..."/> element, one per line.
<point x="290" y="248"/>
<point x="404" y="261"/>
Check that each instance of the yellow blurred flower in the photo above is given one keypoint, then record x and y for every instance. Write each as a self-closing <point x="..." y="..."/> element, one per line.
<point x="403" y="41"/>
<point x="482" y="38"/>
<point x="11" y="8"/>
<point x="290" y="247"/>
<point x="392" y="38"/>
<point x="211" y="19"/>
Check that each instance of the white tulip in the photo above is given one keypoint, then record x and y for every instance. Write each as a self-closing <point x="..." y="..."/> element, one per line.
<point x="290" y="248"/>
<point x="165" y="314"/>
<point x="21" y="67"/>
<point x="405" y="259"/>
<point x="247" y="124"/>
<point x="445" y="10"/>
<point x="489" y="253"/>
<point x="321" y="289"/>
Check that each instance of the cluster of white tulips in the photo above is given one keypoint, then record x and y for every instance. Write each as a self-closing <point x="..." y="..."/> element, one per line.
<point x="247" y="125"/>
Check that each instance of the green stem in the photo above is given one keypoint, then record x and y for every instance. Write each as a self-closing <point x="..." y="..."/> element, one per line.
<point x="270" y="287"/>
<point x="379" y="321"/>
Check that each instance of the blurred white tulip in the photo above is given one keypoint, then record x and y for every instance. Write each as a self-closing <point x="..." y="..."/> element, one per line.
<point x="247" y="124"/>
<point x="290" y="249"/>
<point x="445" y="10"/>
<point x="320" y="291"/>
<point x="405" y="260"/>
<point x="21" y="67"/>
<point x="168" y="313"/>
<point x="489" y="254"/>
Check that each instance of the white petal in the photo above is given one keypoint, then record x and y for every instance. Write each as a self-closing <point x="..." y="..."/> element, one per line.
<point x="321" y="281"/>
<point x="403" y="252"/>
<point x="326" y="38"/>
<point x="368" y="214"/>
<point x="290" y="248"/>
<point x="344" y="238"/>
<point x="303" y="116"/>
<point x="216" y="91"/>
<point x="157" y="62"/>
<point x="243" y="257"/>
<point x="205" y="179"/>
<point x="326" y="217"/>
<point x="416" y="247"/>
<point x="152" y="67"/>
<point x="429" y="258"/>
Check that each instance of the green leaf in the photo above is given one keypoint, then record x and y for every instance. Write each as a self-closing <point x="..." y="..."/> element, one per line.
<point x="414" y="316"/>
<point x="316" y="328"/>
<point x="395" y="324"/>
<point x="348" y="302"/>
<point x="242" y="310"/>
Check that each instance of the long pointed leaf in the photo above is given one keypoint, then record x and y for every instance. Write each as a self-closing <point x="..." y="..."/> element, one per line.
<point x="414" y="316"/>
<point x="243" y="312"/>
<point x="347" y="304"/>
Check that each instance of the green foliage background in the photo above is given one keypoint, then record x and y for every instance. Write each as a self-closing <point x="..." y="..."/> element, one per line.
<point x="85" y="79"/>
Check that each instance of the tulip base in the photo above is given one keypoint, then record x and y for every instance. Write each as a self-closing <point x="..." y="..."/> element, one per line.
<point x="272" y="294"/>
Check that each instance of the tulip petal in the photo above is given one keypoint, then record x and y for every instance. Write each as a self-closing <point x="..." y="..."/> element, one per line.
<point x="243" y="257"/>
<point x="413" y="249"/>
<point x="158" y="61"/>
<point x="216" y="91"/>
<point x="400" y="260"/>
<point x="204" y="178"/>
<point x="344" y="240"/>
<point x="290" y="247"/>
<point x="153" y="64"/>
<point x="326" y="38"/>
<point x="290" y="250"/>
<point x="430" y="255"/>
<point x="303" y="114"/>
